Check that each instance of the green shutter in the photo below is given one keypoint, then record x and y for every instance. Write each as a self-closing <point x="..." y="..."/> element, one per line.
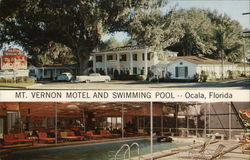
<point x="176" y="72"/>
<point x="186" y="71"/>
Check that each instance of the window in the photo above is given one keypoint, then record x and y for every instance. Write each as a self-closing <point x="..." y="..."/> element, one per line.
<point x="110" y="57"/>
<point x="148" y="56"/>
<point x="111" y="122"/>
<point x="45" y="72"/>
<point x="12" y="119"/>
<point x="124" y="57"/>
<point x="98" y="58"/>
<point x="134" y="57"/>
<point x="181" y="71"/>
<point x="135" y="70"/>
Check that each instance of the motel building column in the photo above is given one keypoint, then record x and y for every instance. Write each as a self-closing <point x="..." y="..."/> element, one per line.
<point x="131" y="63"/>
<point x="105" y="64"/>
<point x="94" y="63"/>
<point x="146" y="62"/>
<point x="118" y="62"/>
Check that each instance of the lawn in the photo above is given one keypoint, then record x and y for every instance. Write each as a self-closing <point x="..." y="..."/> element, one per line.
<point x="16" y="84"/>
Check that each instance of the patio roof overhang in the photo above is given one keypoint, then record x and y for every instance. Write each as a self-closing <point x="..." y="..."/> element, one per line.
<point x="71" y="109"/>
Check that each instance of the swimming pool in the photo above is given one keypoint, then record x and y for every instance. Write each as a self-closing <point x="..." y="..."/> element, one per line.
<point x="100" y="151"/>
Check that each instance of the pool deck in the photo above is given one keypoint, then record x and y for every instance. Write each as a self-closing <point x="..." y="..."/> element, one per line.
<point x="232" y="151"/>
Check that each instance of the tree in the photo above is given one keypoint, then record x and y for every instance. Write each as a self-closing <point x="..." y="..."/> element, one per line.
<point x="153" y="29"/>
<point x="76" y="24"/>
<point x="52" y="53"/>
<point x="198" y="34"/>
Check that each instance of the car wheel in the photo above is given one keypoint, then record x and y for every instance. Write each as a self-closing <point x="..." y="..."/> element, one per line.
<point x="87" y="81"/>
<point x="106" y="80"/>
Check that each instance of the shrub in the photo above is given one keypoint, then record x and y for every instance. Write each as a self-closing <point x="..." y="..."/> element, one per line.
<point x="204" y="76"/>
<point x="196" y="77"/>
<point x="233" y="74"/>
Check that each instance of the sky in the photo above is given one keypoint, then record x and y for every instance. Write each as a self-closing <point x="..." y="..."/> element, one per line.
<point x="233" y="8"/>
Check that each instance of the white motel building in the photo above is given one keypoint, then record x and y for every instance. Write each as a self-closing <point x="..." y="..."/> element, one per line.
<point x="138" y="61"/>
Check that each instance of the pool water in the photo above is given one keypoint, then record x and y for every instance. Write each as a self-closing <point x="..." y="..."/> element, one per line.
<point x="100" y="151"/>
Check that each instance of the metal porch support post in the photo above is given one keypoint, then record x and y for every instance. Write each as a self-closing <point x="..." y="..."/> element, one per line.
<point x="205" y="122"/>
<point x="230" y="121"/>
<point x="131" y="63"/>
<point x="187" y="123"/>
<point x="55" y="74"/>
<point x="56" y="123"/>
<point x="94" y="63"/>
<point x="151" y="129"/>
<point x="118" y="63"/>
<point x="161" y="124"/>
<point x="146" y="62"/>
<point x="105" y="64"/>
<point x="209" y="118"/>
<point x="43" y="73"/>
<point x="196" y="127"/>
<point x="122" y="122"/>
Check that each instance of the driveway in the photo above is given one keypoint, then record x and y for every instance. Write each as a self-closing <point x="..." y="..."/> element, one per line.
<point x="133" y="85"/>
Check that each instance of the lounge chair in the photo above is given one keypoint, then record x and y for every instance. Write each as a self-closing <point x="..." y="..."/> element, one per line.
<point x="9" y="139"/>
<point x="194" y="150"/>
<point x="72" y="134"/>
<point x="42" y="136"/>
<point x="201" y="150"/>
<point x="141" y="132"/>
<point x="217" y="154"/>
<point x="65" y="136"/>
<point x="107" y="134"/>
<point x="91" y="135"/>
<point x="21" y="138"/>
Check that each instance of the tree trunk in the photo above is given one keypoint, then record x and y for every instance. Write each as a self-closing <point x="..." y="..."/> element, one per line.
<point x="83" y="65"/>
<point x="83" y="61"/>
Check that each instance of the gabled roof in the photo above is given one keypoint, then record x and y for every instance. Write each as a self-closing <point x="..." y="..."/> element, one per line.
<point x="196" y="60"/>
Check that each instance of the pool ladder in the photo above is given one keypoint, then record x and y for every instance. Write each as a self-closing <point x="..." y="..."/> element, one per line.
<point x="128" y="150"/>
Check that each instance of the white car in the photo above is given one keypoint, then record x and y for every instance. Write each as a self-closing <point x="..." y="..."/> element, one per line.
<point x="93" y="77"/>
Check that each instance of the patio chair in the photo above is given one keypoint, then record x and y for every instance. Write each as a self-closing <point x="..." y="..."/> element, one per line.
<point x="9" y="139"/>
<point x="201" y="150"/>
<point x="91" y="135"/>
<point x="141" y="132"/>
<point x="107" y="134"/>
<point x="217" y="154"/>
<point x="21" y="138"/>
<point x="72" y="134"/>
<point x="192" y="151"/>
<point x="42" y="136"/>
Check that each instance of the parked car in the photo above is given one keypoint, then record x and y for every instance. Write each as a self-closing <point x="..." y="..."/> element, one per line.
<point x="93" y="77"/>
<point x="65" y="76"/>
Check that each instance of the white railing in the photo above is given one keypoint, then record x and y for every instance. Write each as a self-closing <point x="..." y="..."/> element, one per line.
<point x="128" y="150"/>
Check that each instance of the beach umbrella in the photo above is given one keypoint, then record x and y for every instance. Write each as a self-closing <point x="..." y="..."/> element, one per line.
<point x="245" y="116"/>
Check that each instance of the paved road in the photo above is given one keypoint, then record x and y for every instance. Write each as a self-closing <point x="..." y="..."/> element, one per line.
<point x="131" y="85"/>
